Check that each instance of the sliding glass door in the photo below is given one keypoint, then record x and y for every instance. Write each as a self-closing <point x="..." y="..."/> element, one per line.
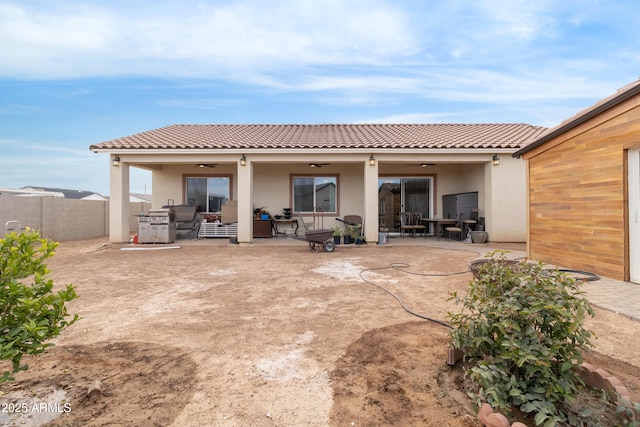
<point x="208" y="193"/>
<point x="408" y="194"/>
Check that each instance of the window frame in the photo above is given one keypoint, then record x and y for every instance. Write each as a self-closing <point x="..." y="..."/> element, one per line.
<point x="292" y="179"/>
<point x="186" y="177"/>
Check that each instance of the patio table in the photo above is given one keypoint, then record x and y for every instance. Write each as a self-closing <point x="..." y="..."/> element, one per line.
<point x="291" y="222"/>
<point x="439" y="223"/>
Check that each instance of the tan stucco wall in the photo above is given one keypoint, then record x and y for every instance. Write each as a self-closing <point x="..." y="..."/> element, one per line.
<point x="272" y="188"/>
<point x="506" y="200"/>
<point x="168" y="183"/>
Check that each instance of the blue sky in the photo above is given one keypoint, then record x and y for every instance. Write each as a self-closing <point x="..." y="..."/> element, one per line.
<point x="77" y="73"/>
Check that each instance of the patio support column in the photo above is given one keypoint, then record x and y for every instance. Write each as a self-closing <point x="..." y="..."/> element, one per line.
<point x="370" y="202"/>
<point x="119" y="203"/>
<point x="505" y="200"/>
<point x="245" y="201"/>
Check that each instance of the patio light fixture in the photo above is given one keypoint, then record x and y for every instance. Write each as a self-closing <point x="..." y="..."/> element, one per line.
<point x="116" y="161"/>
<point x="496" y="160"/>
<point x="372" y="161"/>
<point x="243" y="161"/>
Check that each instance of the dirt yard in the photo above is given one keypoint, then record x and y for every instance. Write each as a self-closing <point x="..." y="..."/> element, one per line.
<point x="218" y="334"/>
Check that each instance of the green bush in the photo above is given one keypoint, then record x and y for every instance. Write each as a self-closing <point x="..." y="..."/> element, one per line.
<point x="31" y="314"/>
<point x="521" y="327"/>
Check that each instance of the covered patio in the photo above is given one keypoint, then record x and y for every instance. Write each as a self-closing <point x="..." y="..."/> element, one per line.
<point x="345" y="169"/>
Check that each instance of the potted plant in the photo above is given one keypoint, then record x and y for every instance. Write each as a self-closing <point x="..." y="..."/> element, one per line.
<point x="337" y="232"/>
<point x="348" y="232"/>
<point x="354" y="234"/>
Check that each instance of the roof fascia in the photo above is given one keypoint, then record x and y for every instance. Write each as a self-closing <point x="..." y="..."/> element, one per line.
<point x="305" y="151"/>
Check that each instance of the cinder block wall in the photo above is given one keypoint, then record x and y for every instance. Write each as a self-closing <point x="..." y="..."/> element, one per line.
<point x="63" y="219"/>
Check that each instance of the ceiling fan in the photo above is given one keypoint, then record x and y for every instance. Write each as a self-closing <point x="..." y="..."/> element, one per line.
<point x="423" y="165"/>
<point x="206" y="165"/>
<point x="317" y="165"/>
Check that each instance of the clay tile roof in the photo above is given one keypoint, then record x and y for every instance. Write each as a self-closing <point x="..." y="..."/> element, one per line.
<point x="340" y="136"/>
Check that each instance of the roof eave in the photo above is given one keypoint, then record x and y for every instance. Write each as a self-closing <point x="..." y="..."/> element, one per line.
<point x="188" y="151"/>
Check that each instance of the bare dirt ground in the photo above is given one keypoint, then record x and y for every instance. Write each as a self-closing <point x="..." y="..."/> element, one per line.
<point x="223" y="335"/>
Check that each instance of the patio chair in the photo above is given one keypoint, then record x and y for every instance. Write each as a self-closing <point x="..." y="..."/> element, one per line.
<point x="356" y="221"/>
<point x="410" y="221"/>
<point x="187" y="221"/>
<point x="353" y="219"/>
<point x="307" y="225"/>
<point x="382" y="225"/>
<point x="416" y="220"/>
<point x="457" y="229"/>
<point x="405" y="223"/>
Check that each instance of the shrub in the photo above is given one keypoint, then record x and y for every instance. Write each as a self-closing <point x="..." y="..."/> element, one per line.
<point x="31" y="314"/>
<point x="521" y="327"/>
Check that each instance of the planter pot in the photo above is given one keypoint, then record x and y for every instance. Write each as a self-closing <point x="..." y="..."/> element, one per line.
<point x="347" y="239"/>
<point x="479" y="236"/>
<point x="359" y="241"/>
<point x="336" y="240"/>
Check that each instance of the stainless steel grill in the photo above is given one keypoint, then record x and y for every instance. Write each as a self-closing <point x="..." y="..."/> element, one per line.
<point x="157" y="227"/>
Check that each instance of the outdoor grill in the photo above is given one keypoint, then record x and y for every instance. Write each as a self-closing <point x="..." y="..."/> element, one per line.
<point x="157" y="227"/>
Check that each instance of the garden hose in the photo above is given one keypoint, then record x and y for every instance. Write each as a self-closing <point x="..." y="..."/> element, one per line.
<point x="400" y="266"/>
<point x="588" y="276"/>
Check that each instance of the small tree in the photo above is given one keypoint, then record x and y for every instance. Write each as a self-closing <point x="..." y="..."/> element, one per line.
<point x="521" y="326"/>
<point x="30" y="314"/>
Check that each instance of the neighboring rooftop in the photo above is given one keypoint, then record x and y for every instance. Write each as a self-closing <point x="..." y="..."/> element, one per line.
<point x="68" y="194"/>
<point x="339" y="136"/>
<point x="140" y="197"/>
<point x="29" y="192"/>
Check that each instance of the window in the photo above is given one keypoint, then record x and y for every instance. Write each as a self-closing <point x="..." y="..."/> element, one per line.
<point x="208" y="193"/>
<point x="312" y="191"/>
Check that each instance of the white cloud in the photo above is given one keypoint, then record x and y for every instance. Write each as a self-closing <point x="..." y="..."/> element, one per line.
<point x="208" y="40"/>
<point x="32" y="30"/>
<point x="520" y="20"/>
<point x="349" y="53"/>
